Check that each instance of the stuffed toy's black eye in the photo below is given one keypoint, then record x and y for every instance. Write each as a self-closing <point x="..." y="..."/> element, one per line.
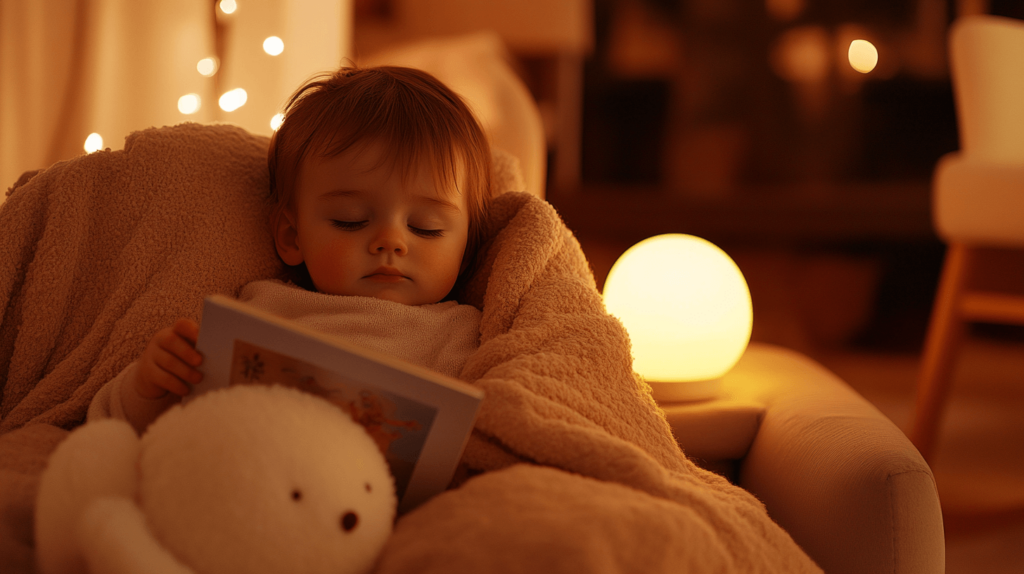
<point x="296" y="495"/>
<point x="349" y="521"/>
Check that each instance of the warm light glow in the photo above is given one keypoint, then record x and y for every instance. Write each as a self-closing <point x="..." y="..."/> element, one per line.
<point x="273" y="45"/>
<point x="686" y="307"/>
<point x="785" y="10"/>
<point x="276" y="121"/>
<point x="228" y="6"/>
<point x="233" y="99"/>
<point x="93" y="143"/>
<point x="207" y="66"/>
<point x="189" y="104"/>
<point x="863" y="56"/>
<point x="802" y="55"/>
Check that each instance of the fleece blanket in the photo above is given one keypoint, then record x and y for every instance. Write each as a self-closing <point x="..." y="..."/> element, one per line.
<point x="571" y="466"/>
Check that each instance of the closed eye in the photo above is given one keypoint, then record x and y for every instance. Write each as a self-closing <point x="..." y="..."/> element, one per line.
<point x="348" y="225"/>
<point x="427" y="232"/>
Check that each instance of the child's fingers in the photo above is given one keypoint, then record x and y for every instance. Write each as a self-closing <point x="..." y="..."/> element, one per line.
<point x="180" y="347"/>
<point x="169" y="361"/>
<point x="188" y="329"/>
<point x="176" y="369"/>
<point x="169" y="382"/>
<point x="153" y="382"/>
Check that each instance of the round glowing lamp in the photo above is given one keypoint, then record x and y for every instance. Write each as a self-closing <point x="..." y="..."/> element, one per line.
<point x="687" y="310"/>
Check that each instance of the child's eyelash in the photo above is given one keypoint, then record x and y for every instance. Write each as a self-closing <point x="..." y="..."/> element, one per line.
<point x="348" y="225"/>
<point x="357" y="225"/>
<point x="427" y="232"/>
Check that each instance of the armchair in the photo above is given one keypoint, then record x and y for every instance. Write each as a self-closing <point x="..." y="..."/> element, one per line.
<point x="833" y="471"/>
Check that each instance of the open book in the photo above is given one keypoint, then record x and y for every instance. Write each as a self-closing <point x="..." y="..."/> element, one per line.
<point x="420" y="419"/>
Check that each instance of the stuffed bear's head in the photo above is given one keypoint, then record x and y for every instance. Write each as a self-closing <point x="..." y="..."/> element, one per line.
<point x="265" y="479"/>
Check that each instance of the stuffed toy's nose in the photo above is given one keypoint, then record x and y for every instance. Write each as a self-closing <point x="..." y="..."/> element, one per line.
<point x="349" y="521"/>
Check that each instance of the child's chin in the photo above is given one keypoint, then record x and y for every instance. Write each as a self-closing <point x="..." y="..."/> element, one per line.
<point x="398" y="296"/>
<point x="400" y="293"/>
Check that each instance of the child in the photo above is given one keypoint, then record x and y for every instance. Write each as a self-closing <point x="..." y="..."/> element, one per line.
<point x="380" y="179"/>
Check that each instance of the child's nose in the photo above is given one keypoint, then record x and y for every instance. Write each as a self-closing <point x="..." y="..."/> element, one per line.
<point x="389" y="240"/>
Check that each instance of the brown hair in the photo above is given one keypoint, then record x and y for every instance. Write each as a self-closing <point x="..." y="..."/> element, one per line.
<point x="407" y="111"/>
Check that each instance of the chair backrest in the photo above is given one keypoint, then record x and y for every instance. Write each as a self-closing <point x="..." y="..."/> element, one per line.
<point x="987" y="66"/>
<point x="476" y="67"/>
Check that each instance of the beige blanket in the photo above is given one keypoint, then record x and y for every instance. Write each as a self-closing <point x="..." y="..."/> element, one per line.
<point x="572" y="466"/>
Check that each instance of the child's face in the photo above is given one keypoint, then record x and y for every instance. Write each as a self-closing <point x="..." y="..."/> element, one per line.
<point x="363" y="230"/>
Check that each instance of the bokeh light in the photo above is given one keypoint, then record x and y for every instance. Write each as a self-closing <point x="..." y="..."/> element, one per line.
<point x="228" y="6"/>
<point x="233" y="99"/>
<point x="273" y="45"/>
<point x="802" y="55"/>
<point x="207" y="66"/>
<point x="785" y="10"/>
<point x="189" y="104"/>
<point x="276" y="121"/>
<point x="93" y="143"/>
<point x="863" y="56"/>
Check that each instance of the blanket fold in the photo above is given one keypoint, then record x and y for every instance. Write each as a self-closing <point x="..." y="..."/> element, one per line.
<point x="573" y="465"/>
<point x="560" y="393"/>
<point x="101" y="251"/>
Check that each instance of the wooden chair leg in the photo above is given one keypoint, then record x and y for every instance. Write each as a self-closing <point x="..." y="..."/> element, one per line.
<point x="945" y="330"/>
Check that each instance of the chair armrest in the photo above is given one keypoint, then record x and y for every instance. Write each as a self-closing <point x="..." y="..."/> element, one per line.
<point x="833" y="471"/>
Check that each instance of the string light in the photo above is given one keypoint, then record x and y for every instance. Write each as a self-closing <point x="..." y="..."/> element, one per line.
<point x="189" y="104"/>
<point x="273" y="45"/>
<point x="233" y="99"/>
<point x="863" y="56"/>
<point x="207" y="66"/>
<point x="276" y="121"/>
<point x="93" y="143"/>
<point x="228" y="6"/>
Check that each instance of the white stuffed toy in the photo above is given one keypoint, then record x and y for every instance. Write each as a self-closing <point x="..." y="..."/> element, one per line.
<point x="253" y="479"/>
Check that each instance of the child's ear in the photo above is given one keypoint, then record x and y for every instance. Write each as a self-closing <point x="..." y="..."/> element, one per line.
<point x="286" y="235"/>
<point x="465" y="260"/>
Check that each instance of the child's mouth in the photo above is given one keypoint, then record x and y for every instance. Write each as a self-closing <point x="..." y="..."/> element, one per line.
<point x="385" y="278"/>
<point x="385" y="274"/>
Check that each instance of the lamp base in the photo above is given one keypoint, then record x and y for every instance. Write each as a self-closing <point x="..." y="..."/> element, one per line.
<point x="683" y="391"/>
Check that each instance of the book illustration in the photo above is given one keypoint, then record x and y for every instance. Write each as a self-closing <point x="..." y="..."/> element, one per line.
<point x="397" y="424"/>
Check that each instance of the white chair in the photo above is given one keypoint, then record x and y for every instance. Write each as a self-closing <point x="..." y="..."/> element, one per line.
<point x="978" y="200"/>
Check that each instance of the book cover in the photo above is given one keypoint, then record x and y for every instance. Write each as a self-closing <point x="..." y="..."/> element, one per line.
<point x="420" y="419"/>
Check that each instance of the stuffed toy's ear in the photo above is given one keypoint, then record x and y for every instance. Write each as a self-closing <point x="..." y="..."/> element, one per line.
<point x="96" y="460"/>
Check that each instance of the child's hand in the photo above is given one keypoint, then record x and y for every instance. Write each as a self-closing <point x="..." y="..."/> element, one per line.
<point x="169" y="360"/>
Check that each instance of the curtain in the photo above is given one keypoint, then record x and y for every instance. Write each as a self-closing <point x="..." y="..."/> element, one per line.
<point x="70" y="68"/>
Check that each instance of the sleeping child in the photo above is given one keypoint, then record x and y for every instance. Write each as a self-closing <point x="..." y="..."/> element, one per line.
<point x="380" y="179"/>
